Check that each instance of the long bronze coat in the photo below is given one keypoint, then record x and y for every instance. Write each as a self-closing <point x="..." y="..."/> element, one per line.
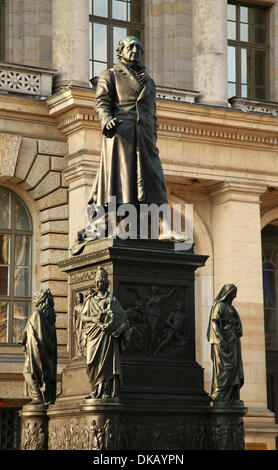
<point x="130" y="167"/>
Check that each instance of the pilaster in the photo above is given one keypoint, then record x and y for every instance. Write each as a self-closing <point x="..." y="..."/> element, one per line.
<point x="237" y="259"/>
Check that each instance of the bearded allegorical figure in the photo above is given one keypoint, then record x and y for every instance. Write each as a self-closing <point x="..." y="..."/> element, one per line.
<point x="39" y="341"/>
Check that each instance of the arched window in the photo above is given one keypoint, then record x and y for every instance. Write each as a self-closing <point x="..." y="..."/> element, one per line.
<point x="15" y="266"/>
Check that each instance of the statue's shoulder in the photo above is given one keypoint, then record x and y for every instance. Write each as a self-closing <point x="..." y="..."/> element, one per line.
<point x="107" y="76"/>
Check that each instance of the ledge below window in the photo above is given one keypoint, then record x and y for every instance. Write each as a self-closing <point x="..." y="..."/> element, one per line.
<point x="254" y="106"/>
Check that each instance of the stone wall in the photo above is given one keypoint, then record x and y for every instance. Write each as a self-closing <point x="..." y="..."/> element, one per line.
<point x="33" y="168"/>
<point x="28" y="32"/>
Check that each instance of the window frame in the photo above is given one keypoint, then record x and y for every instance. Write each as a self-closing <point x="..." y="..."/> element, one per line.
<point x="11" y="298"/>
<point x="111" y="22"/>
<point x="251" y="46"/>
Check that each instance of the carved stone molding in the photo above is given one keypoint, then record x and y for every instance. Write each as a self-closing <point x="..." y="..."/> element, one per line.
<point x="254" y="106"/>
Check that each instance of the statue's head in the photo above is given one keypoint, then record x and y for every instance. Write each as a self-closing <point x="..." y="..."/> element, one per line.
<point x="79" y="297"/>
<point x="44" y="300"/>
<point x="102" y="281"/>
<point x="130" y="50"/>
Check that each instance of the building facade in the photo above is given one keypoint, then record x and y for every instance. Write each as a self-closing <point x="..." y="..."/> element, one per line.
<point x="215" y="64"/>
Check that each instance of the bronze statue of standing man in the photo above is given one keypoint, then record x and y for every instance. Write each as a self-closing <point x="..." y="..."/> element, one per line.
<point x="130" y="167"/>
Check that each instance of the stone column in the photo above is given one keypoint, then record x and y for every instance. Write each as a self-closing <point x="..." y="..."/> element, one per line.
<point x="168" y="57"/>
<point x="210" y="51"/>
<point x="237" y="260"/>
<point x="70" y="42"/>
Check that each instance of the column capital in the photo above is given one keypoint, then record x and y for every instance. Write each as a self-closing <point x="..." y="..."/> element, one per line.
<point x="237" y="192"/>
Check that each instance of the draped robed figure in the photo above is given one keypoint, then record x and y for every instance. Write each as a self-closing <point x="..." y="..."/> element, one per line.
<point x="224" y="333"/>
<point x="107" y="332"/>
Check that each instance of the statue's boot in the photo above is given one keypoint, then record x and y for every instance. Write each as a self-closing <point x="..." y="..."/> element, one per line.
<point x="36" y="395"/>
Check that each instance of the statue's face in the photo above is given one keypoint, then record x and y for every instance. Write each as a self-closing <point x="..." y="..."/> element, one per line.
<point x="132" y="51"/>
<point x="101" y="284"/>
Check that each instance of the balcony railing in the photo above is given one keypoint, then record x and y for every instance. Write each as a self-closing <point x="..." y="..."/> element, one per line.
<point x="27" y="80"/>
<point x="254" y="106"/>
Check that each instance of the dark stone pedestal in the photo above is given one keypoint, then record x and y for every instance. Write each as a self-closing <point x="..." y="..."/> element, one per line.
<point x="163" y="404"/>
<point x="226" y="427"/>
<point x="155" y="284"/>
<point x="34" y="427"/>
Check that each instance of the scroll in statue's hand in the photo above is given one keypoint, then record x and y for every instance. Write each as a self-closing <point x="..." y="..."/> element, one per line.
<point x="110" y="128"/>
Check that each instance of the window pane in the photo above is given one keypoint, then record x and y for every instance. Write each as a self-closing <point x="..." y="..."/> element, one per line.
<point x="244" y="91"/>
<point x="98" y="68"/>
<point x="118" y="34"/>
<point x="90" y="7"/>
<point x="231" y="64"/>
<point x="22" y="282"/>
<point x="5" y="208"/>
<point x="231" y="30"/>
<point x="135" y="32"/>
<point x="100" y="8"/>
<point x="4" y="308"/>
<point x="90" y="70"/>
<point x="231" y="90"/>
<point x="259" y="16"/>
<point x="4" y="249"/>
<point x="4" y="280"/>
<point x="22" y="250"/>
<point x="260" y="93"/>
<point x="244" y="14"/>
<point x="90" y="41"/>
<point x="259" y="35"/>
<point x="243" y="66"/>
<point x="260" y="68"/>
<point x="231" y="12"/>
<point x="21" y="313"/>
<point x="119" y="10"/>
<point x="134" y="13"/>
<point x="245" y="32"/>
<point x="22" y="220"/>
<point x="100" y="42"/>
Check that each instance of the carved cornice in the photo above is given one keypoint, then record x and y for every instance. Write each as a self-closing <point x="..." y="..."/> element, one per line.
<point x="73" y="108"/>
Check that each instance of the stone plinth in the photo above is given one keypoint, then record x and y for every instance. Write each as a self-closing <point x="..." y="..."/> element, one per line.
<point x="149" y="278"/>
<point x="34" y="427"/>
<point x="162" y="403"/>
<point x="226" y="426"/>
